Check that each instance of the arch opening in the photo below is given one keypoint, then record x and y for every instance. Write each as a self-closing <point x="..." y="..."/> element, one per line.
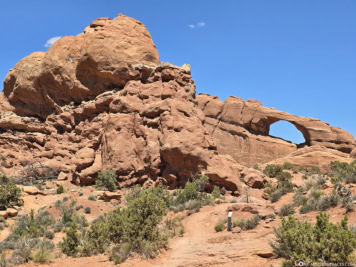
<point x="289" y="132"/>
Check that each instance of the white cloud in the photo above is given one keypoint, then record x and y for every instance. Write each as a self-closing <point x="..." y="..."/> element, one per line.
<point x="51" y="41"/>
<point x="197" y="25"/>
<point x="201" y="24"/>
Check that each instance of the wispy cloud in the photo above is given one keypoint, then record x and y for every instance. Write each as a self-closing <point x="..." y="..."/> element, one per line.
<point x="51" y="41"/>
<point x="201" y="24"/>
<point x="197" y="25"/>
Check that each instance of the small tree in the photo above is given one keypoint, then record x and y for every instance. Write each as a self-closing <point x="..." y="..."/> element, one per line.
<point x="106" y="180"/>
<point x="71" y="242"/>
<point x="10" y="194"/>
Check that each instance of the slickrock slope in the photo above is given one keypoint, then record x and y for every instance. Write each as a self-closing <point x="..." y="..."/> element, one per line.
<point x="241" y="129"/>
<point x="102" y="99"/>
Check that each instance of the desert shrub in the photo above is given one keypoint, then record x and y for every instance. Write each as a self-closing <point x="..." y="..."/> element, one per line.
<point x="67" y="211"/>
<point x="323" y="242"/>
<point x="194" y="204"/>
<point x="10" y="194"/>
<point x="49" y="235"/>
<point x="351" y="178"/>
<point x="272" y="170"/>
<point x="92" y="198"/>
<point x="60" y="189"/>
<point x="120" y="253"/>
<point x="58" y="227"/>
<point x="286" y="210"/>
<point x="78" y="207"/>
<point x="136" y="225"/>
<point x="342" y="171"/>
<point x="32" y="225"/>
<point x="26" y="248"/>
<point x="284" y="186"/>
<point x="347" y="203"/>
<point x="192" y="190"/>
<point x="42" y="255"/>
<point x="3" y="262"/>
<point x="107" y="180"/>
<point x="160" y="191"/>
<point x="174" y="226"/>
<point x="216" y="192"/>
<point x="247" y="224"/>
<point x="276" y="195"/>
<point x="299" y="199"/>
<point x="87" y="210"/>
<point x="316" y="201"/>
<point x="315" y="170"/>
<point x="287" y="166"/>
<point x="220" y="226"/>
<point x="70" y="243"/>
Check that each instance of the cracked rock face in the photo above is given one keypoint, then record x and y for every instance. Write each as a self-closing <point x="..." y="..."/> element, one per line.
<point x="103" y="100"/>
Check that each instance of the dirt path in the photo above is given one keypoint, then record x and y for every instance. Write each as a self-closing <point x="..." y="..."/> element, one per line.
<point x="202" y="246"/>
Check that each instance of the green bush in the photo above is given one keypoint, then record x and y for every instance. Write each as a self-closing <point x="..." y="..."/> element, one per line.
<point x="136" y="225"/>
<point x="60" y="189"/>
<point x="325" y="241"/>
<point x="247" y="224"/>
<point x="220" y="226"/>
<point x="272" y="170"/>
<point x="276" y="195"/>
<point x="32" y="226"/>
<point x="316" y="201"/>
<point x="70" y="243"/>
<point x="342" y="171"/>
<point x="192" y="190"/>
<point x="286" y="210"/>
<point x="42" y="255"/>
<point x="216" y="192"/>
<point x="49" y="235"/>
<point x="107" y="180"/>
<point x="287" y="166"/>
<point x="92" y="198"/>
<point x="10" y="194"/>
<point x="87" y="210"/>
<point x="120" y="253"/>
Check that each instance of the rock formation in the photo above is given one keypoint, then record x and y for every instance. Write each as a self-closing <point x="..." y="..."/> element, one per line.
<point x="102" y="99"/>
<point x="241" y="129"/>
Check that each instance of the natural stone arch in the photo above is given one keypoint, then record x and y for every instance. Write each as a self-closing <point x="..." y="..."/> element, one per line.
<point x="304" y="131"/>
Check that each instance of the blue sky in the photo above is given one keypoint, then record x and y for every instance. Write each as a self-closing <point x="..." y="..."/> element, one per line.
<point x="297" y="56"/>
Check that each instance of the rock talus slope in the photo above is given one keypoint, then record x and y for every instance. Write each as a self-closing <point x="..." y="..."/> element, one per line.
<point x="102" y="99"/>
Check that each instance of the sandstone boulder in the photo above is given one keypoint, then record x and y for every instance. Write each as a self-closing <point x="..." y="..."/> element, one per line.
<point x="78" y="68"/>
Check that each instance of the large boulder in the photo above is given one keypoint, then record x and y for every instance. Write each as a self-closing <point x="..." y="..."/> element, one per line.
<point x="77" y="68"/>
